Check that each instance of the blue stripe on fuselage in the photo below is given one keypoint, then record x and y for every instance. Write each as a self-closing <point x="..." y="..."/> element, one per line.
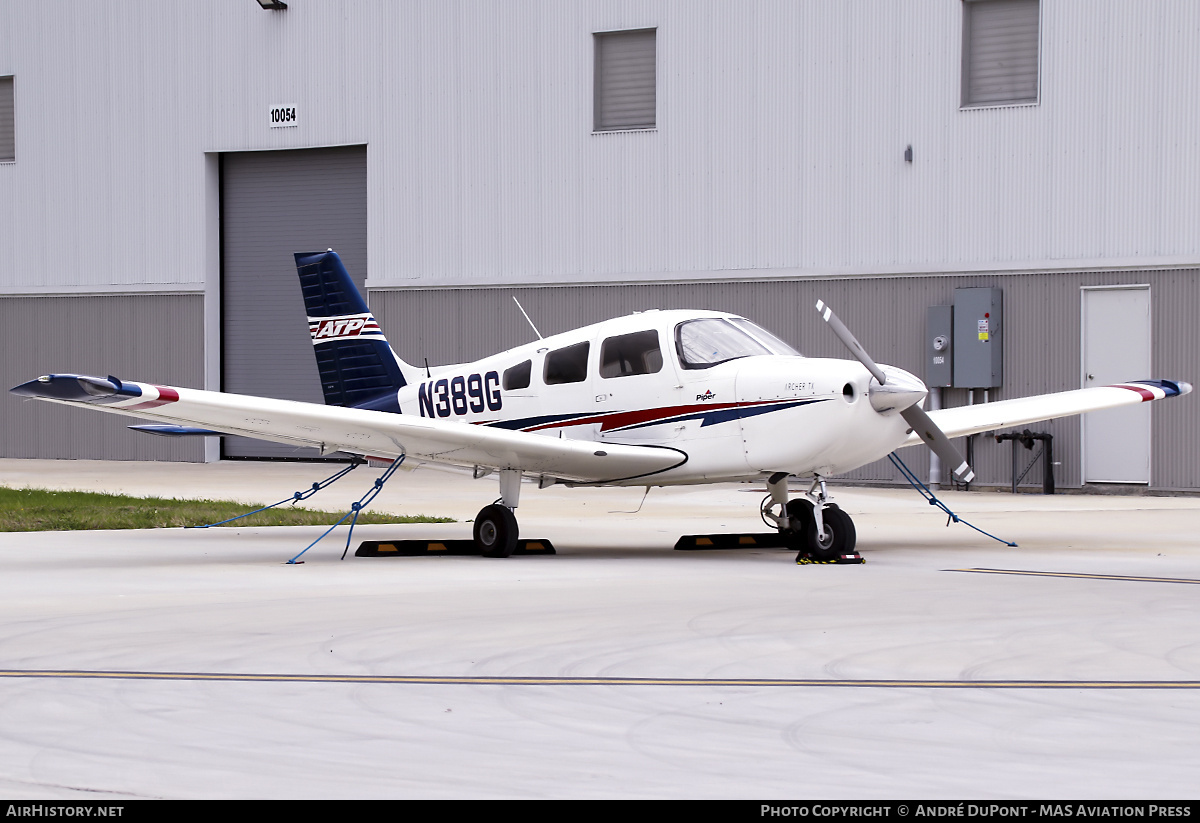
<point x="709" y="417"/>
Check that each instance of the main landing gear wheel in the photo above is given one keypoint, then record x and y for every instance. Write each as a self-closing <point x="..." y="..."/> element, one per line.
<point x="496" y="531"/>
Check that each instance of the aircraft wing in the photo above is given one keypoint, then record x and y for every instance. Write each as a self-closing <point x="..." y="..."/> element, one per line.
<point x="1004" y="414"/>
<point x="358" y="431"/>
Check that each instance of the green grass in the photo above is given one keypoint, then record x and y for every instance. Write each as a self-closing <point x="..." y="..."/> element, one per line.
<point x="32" y="510"/>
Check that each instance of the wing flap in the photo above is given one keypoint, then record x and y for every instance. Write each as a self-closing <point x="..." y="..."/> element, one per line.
<point x="359" y="431"/>
<point x="1004" y="414"/>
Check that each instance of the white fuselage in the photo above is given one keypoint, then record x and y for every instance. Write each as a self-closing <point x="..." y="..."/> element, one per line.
<point x="736" y="420"/>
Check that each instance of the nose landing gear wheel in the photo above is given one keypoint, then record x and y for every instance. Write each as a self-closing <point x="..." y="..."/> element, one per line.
<point x="496" y="531"/>
<point x="837" y="538"/>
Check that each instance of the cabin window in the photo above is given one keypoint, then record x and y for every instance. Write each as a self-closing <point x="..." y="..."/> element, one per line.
<point x="627" y="354"/>
<point x="518" y="376"/>
<point x="567" y="365"/>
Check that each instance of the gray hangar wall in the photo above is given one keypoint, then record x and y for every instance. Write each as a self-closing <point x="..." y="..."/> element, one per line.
<point x="154" y="338"/>
<point x="777" y="157"/>
<point x="1041" y="339"/>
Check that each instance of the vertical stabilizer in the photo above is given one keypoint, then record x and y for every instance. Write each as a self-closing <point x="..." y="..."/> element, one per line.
<point x="357" y="366"/>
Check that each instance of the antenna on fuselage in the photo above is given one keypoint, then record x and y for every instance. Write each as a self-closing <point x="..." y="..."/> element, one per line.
<point x="527" y="320"/>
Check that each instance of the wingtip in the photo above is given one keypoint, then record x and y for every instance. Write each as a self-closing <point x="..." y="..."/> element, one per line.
<point x="33" y="388"/>
<point x="1171" y="388"/>
<point x="79" y="387"/>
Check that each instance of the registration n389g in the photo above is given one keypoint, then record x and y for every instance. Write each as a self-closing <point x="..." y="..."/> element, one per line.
<point x="460" y="395"/>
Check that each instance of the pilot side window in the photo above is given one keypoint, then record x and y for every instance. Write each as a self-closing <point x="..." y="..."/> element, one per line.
<point x="518" y="376"/>
<point x="567" y="365"/>
<point x="627" y="354"/>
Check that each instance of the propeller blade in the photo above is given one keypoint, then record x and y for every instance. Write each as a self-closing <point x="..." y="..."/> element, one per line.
<point x="934" y="438"/>
<point x="843" y="333"/>
<point x="914" y="415"/>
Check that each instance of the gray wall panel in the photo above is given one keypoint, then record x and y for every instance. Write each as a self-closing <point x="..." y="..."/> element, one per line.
<point x="275" y="204"/>
<point x="1041" y="341"/>
<point x="1174" y="307"/>
<point x="148" y="338"/>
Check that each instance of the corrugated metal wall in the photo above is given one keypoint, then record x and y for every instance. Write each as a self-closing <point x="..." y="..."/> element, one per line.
<point x="1041" y="340"/>
<point x="778" y="155"/>
<point x="149" y="338"/>
<point x="778" y="150"/>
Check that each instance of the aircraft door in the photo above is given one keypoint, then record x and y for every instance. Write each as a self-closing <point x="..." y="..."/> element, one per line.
<point x="635" y="385"/>
<point x="566" y="390"/>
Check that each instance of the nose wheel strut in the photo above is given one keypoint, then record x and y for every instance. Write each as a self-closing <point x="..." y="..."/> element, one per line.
<point x="813" y="524"/>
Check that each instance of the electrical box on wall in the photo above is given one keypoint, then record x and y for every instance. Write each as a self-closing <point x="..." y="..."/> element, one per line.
<point x="978" y="338"/>
<point x="939" y="348"/>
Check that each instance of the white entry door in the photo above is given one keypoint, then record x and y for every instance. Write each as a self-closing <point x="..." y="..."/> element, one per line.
<point x="1116" y="348"/>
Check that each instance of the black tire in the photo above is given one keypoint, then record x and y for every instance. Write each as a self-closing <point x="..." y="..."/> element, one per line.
<point x="496" y="531"/>
<point x="839" y="536"/>
<point x="800" y="511"/>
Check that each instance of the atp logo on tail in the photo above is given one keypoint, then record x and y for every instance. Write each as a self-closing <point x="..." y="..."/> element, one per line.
<point x="344" y="327"/>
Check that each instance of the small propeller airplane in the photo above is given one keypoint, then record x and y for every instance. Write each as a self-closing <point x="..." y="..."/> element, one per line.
<point x="655" y="398"/>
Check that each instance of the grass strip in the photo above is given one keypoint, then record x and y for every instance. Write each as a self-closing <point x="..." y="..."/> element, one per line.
<point x="33" y="510"/>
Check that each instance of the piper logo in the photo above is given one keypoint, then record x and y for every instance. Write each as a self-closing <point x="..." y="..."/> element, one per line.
<point x="708" y="395"/>
<point x="345" y="327"/>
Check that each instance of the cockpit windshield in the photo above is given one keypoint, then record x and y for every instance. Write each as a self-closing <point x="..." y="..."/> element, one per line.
<point x="772" y="342"/>
<point x="705" y="343"/>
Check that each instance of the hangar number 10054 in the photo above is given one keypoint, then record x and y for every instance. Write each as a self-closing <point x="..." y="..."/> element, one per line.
<point x="283" y="117"/>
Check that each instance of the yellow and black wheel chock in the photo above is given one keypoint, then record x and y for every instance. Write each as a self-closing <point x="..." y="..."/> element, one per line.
<point x="434" y="548"/>
<point x="767" y="540"/>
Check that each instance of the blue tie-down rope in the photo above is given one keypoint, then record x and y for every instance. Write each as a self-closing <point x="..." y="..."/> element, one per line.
<point x="295" y="498"/>
<point x="933" y="501"/>
<point x="355" y="508"/>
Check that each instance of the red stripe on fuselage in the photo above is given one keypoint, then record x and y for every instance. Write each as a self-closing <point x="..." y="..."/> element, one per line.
<point x="619" y="420"/>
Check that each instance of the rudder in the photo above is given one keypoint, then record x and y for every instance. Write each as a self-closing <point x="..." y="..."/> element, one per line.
<point x="356" y="364"/>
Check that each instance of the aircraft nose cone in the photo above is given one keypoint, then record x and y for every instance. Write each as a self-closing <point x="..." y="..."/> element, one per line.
<point x="901" y="390"/>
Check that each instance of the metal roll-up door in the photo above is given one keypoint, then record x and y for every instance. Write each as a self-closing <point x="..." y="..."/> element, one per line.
<point x="274" y="204"/>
